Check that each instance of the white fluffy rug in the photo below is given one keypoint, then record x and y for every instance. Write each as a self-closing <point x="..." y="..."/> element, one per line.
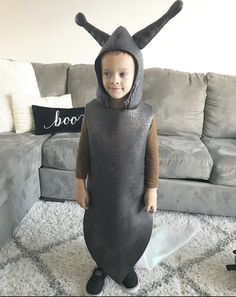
<point x="47" y="255"/>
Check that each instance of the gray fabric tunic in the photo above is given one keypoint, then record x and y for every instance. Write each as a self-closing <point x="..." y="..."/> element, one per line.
<point x="117" y="229"/>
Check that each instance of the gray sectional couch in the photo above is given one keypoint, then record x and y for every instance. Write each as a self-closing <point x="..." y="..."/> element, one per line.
<point x="196" y="134"/>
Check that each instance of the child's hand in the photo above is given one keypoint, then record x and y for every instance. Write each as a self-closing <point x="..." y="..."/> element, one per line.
<point x="82" y="196"/>
<point x="150" y="200"/>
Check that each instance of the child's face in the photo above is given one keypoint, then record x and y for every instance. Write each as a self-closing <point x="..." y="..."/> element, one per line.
<point x="117" y="74"/>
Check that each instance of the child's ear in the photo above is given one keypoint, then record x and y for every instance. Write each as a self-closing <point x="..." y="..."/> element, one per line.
<point x="144" y="36"/>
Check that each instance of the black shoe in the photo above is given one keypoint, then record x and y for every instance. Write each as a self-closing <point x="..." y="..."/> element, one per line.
<point x="131" y="282"/>
<point x="96" y="283"/>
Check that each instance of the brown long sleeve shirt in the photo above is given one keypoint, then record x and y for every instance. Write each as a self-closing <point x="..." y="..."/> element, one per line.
<point x="151" y="157"/>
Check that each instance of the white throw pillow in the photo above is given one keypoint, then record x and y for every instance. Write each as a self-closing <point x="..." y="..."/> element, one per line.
<point x="15" y="77"/>
<point x="22" y="108"/>
<point x="18" y="77"/>
<point x="6" y="116"/>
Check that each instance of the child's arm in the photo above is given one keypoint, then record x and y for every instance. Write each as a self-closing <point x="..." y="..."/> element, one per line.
<point x="82" y="167"/>
<point x="151" y="169"/>
<point x="150" y="200"/>
<point x="82" y="196"/>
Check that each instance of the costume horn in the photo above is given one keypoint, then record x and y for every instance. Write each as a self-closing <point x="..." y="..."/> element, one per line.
<point x="100" y="36"/>
<point x="143" y="37"/>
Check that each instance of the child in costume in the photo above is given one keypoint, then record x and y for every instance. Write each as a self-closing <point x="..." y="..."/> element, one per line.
<point x="118" y="154"/>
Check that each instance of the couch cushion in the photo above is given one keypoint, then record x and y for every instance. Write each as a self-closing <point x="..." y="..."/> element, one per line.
<point x="220" y="120"/>
<point x="52" y="78"/>
<point x="60" y="151"/>
<point x="184" y="158"/>
<point x="180" y="157"/>
<point x="20" y="158"/>
<point x="178" y="99"/>
<point x="223" y="152"/>
<point x="82" y="84"/>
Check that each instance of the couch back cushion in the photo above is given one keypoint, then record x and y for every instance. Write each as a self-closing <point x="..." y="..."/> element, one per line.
<point x="178" y="99"/>
<point x="219" y="118"/>
<point x="51" y="78"/>
<point x="82" y="83"/>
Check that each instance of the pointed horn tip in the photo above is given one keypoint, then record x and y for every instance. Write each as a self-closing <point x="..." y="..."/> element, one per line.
<point x="80" y="19"/>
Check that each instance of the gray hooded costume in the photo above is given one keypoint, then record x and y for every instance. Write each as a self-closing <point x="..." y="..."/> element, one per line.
<point x="117" y="229"/>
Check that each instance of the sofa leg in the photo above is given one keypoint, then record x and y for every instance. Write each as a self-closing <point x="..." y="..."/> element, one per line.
<point x="52" y="199"/>
<point x="232" y="266"/>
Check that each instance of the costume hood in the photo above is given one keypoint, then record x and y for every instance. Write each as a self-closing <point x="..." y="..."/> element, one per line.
<point x="121" y="40"/>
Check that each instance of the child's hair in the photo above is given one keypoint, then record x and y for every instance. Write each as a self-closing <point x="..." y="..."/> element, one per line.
<point x="116" y="52"/>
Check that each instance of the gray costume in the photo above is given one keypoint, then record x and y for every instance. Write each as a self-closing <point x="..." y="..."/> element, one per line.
<point x="117" y="229"/>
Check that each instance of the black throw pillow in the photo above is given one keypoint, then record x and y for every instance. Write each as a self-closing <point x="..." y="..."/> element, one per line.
<point x="51" y="120"/>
